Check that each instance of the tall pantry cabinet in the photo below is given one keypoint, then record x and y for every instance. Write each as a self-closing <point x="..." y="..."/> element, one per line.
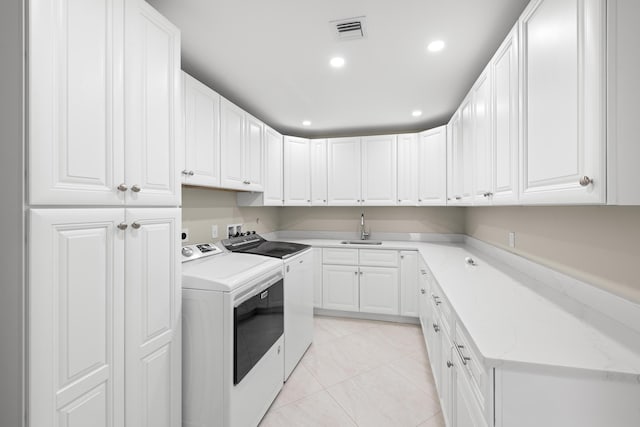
<point x="103" y="304"/>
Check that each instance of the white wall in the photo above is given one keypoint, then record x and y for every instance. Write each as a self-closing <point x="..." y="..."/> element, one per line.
<point x="11" y="213"/>
<point x="597" y="244"/>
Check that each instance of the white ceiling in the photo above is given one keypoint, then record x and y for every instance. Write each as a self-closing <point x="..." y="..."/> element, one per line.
<point x="271" y="57"/>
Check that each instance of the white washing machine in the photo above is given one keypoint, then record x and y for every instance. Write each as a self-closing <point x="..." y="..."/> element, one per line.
<point x="232" y="336"/>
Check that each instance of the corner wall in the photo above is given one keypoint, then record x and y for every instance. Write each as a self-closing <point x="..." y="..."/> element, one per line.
<point x="12" y="213"/>
<point x="597" y="244"/>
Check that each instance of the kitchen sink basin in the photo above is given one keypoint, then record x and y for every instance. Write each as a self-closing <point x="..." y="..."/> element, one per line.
<point x="361" y="242"/>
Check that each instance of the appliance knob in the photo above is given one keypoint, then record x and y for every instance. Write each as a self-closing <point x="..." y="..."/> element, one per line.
<point x="187" y="251"/>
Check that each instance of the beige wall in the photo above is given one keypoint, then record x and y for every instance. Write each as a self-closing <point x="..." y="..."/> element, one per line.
<point x="378" y="219"/>
<point x="598" y="244"/>
<point x="204" y="207"/>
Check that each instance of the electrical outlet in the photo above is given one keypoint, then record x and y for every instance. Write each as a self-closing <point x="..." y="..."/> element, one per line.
<point x="512" y="239"/>
<point x="185" y="235"/>
<point x="214" y="231"/>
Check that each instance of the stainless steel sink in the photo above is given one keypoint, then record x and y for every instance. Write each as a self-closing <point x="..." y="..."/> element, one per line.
<point x="361" y="242"/>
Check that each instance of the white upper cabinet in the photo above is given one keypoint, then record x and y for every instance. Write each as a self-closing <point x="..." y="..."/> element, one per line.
<point x="408" y="169"/>
<point x="297" y="173"/>
<point x="240" y="148"/>
<point x="344" y="172"/>
<point x="253" y="152"/>
<point x="87" y="143"/>
<point x="273" y="168"/>
<point x="466" y="141"/>
<point x="319" y="172"/>
<point x="153" y="107"/>
<point x="432" y="167"/>
<point x="563" y="102"/>
<point x="76" y="140"/>
<point x="482" y="141"/>
<point x="504" y="66"/>
<point x="202" y="134"/>
<point x="379" y="170"/>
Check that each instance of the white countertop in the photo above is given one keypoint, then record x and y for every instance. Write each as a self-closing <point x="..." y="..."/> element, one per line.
<point x="509" y="323"/>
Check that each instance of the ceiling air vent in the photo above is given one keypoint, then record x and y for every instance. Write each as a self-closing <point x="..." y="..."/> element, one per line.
<point x="350" y="28"/>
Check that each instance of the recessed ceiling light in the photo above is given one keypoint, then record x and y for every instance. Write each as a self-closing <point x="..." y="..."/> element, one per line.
<point x="337" y="62"/>
<point x="306" y="123"/>
<point x="416" y="113"/>
<point x="435" y="46"/>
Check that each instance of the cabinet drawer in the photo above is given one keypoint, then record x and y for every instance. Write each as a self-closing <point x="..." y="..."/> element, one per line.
<point x="471" y="365"/>
<point x="378" y="257"/>
<point x="340" y="256"/>
<point x="441" y="305"/>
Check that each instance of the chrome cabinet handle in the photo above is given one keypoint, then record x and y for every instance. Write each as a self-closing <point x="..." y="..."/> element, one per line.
<point x="436" y="327"/>
<point x="246" y="182"/>
<point x="355" y="272"/>
<point x="459" y="348"/>
<point x="361" y="273"/>
<point x="449" y="364"/>
<point x="122" y="187"/>
<point x="488" y="194"/>
<point x="135" y="225"/>
<point x="458" y="198"/>
<point x="422" y="291"/>
<point x="188" y="173"/>
<point x="585" y="180"/>
<point x="135" y="188"/>
<point x="122" y="226"/>
<point x="324" y="201"/>
<point x="308" y="201"/>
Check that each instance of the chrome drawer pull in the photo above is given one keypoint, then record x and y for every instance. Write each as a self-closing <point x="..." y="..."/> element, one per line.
<point x="459" y="348"/>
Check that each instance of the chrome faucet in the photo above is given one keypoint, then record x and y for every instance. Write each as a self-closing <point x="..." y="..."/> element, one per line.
<point x="363" y="234"/>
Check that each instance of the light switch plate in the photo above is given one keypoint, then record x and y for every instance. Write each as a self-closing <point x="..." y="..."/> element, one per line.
<point x="214" y="231"/>
<point x="512" y="239"/>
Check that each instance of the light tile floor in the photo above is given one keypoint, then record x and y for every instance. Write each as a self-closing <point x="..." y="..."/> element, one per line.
<point x="359" y="373"/>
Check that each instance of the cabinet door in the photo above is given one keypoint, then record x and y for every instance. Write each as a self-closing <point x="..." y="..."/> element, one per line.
<point x="76" y="306"/>
<point x="76" y="142"/>
<point x="448" y="372"/>
<point x="379" y="175"/>
<point x="253" y="154"/>
<point x="317" y="277"/>
<point x="408" y="169"/>
<point x="466" y="410"/>
<point x="297" y="176"/>
<point x="432" y="175"/>
<point x="455" y="160"/>
<point x="344" y="171"/>
<point x="423" y="298"/>
<point x="563" y="102"/>
<point x="319" y="172"/>
<point x="340" y="287"/>
<point x="505" y="121"/>
<point x="273" y="168"/>
<point x="231" y="145"/>
<point x="153" y="107"/>
<point x="482" y="141"/>
<point x="202" y="134"/>
<point x="409" y="283"/>
<point x="466" y="151"/>
<point x="434" y="344"/>
<point x="298" y="309"/>
<point x="379" y="290"/>
<point x="152" y="313"/>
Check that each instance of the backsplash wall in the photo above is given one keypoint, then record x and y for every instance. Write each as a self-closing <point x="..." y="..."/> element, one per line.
<point x="204" y="207"/>
<point x="597" y="244"/>
<point x="377" y="219"/>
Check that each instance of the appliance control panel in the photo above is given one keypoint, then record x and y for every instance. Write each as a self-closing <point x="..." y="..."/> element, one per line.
<point x="200" y="250"/>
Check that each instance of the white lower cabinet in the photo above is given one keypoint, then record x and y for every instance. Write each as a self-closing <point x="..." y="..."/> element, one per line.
<point x="317" y="277"/>
<point x="340" y="287"/>
<point x="369" y="281"/>
<point x="409" y="283"/>
<point x="379" y="290"/>
<point x="104" y="331"/>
